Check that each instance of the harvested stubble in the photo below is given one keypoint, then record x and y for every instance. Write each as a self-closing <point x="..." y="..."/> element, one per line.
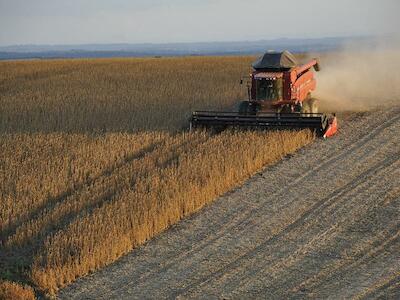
<point x="72" y="183"/>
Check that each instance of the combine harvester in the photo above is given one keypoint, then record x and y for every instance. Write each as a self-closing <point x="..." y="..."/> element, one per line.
<point x="279" y="92"/>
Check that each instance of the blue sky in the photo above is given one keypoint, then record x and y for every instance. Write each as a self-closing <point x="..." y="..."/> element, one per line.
<point x="161" y="21"/>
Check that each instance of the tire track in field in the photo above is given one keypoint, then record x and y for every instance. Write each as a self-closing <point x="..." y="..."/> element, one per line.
<point x="380" y="241"/>
<point x="315" y="210"/>
<point x="155" y="270"/>
<point x="380" y="265"/>
<point x="386" y="289"/>
<point x="332" y="271"/>
<point x="222" y="228"/>
<point x="317" y="239"/>
<point x="379" y="250"/>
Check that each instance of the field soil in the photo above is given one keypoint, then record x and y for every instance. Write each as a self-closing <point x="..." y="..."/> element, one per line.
<point x="322" y="223"/>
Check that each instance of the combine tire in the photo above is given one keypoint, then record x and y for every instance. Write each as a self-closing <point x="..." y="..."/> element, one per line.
<point x="310" y="105"/>
<point x="286" y="110"/>
<point x="306" y="108"/>
<point x="244" y="108"/>
<point x="247" y="108"/>
<point x="313" y="106"/>
<point x="317" y="67"/>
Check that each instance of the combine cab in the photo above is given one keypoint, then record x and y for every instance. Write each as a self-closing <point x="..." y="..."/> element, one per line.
<point x="279" y="92"/>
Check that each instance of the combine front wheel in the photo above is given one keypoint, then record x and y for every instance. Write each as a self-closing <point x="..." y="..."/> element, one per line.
<point x="306" y="108"/>
<point x="247" y="108"/>
<point x="313" y="106"/>
<point x="244" y="108"/>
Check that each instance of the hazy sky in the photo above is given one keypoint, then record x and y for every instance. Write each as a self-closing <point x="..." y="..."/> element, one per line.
<point x="159" y="21"/>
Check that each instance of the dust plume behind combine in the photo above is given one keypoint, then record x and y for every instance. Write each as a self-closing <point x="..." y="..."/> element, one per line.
<point x="355" y="79"/>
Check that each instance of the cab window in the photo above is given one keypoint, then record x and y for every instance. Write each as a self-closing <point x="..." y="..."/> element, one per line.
<point x="269" y="89"/>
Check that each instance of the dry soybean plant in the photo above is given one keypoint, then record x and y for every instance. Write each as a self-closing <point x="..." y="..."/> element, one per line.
<point x="12" y="290"/>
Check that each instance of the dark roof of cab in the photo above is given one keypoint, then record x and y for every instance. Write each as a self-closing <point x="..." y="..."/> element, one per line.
<point x="275" y="60"/>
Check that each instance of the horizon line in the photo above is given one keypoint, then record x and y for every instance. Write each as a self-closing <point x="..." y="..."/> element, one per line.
<point x="194" y="42"/>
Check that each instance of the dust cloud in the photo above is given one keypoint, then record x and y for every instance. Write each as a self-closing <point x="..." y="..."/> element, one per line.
<point x="355" y="79"/>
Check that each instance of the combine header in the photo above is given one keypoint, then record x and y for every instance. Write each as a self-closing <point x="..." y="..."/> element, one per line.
<point x="279" y="98"/>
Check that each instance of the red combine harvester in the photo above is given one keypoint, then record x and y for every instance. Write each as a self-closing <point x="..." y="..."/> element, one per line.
<point x="279" y="92"/>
